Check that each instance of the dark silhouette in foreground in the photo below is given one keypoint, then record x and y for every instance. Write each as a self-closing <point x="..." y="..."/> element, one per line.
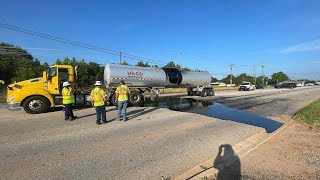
<point x="228" y="163"/>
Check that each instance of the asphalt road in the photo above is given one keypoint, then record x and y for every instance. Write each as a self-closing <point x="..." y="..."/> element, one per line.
<point x="153" y="144"/>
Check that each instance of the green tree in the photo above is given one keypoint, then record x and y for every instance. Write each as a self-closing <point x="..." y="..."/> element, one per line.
<point x="58" y="61"/>
<point x="142" y="64"/>
<point x="244" y="78"/>
<point x="279" y="77"/>
<point x="66" y="61"/>
<point x="185" y="69"/>
<point x="73" y="62"/>
<point x="170" y="64"/>
<point x="214" y="79"/>
<point x="228" y="78"/>
<point x="17" y="64"/>
<point x="125" y="63"/>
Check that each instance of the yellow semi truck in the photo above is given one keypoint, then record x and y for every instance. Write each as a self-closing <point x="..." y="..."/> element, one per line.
<point x="39" y="94"/>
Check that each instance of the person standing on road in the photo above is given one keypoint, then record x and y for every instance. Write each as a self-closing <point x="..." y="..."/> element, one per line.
<point x="67" y="101"/>
<point x="122" y="93"/>
<point x="97" y="99"/>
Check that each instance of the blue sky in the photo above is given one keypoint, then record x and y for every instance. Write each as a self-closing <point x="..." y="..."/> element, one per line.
<point x="281" y="35"/>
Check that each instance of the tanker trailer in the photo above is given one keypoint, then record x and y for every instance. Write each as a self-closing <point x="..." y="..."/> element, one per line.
<point x="153" y="79"/>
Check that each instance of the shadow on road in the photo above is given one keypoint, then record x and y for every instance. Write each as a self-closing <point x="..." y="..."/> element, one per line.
<point x="228" y="163"/>
<point x="139" y="112"/>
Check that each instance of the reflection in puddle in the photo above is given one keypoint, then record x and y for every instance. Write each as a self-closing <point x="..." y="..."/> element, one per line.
<point x="219" y="111"/>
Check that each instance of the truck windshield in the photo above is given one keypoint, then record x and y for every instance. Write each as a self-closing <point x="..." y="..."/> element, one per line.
<point x="245" y="84"/>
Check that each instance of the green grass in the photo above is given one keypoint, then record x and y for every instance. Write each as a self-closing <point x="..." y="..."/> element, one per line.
<point x="310" y="115"/>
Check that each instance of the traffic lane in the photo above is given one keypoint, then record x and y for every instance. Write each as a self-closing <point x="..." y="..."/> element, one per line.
<point x="155" y="144"/>
<point x="276" y="103"/>
<point x="235" y="93"/>
<point x="65" y="138"/>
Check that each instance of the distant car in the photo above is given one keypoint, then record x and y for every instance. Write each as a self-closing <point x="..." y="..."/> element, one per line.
<point x="246" y="86"/>
<point x="286" y="85"/>
<point x="259" y="86"/>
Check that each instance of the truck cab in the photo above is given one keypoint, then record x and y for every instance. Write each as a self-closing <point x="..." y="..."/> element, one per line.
<point x="38" y="94"/>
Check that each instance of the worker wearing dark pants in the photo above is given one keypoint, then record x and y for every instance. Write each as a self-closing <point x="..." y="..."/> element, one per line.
<point x="67" y="101"/>
<point x="97" y="99"/>
<point x="68" y="112"/>
<point x="101" y="114"/>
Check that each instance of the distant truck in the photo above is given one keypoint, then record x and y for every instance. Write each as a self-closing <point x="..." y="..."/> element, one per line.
<point x="246" y="86"/>
<point x="39" y="94"/>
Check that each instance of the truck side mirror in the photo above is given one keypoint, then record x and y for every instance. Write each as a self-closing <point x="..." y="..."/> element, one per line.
<point x="44" y="76"/>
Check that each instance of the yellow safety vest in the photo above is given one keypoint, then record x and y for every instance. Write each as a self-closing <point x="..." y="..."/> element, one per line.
<point x="98" y="95"/>
<point x="67" y="96"/>
<point x="122" y="91"/>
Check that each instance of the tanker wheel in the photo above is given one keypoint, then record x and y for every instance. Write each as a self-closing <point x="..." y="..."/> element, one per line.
<point x="135" y="98"/>
<point x="210" y="92"/>
<point x="36" y="105"/>
<point x="114" y="100"/>
<point x="204" y="93"/>
<point x="190" y="93"/>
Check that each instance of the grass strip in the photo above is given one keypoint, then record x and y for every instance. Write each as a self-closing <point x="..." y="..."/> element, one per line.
<point x="310" y="114"/>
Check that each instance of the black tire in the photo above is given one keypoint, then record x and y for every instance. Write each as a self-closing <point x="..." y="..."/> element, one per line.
<point x="135" y="98"/>
<point x="204" y="93"/>
<point x="114" y="100"/>
<point x="210" y="92"/>
<point x="36" y="105"/>
<point x="190" y="93"/>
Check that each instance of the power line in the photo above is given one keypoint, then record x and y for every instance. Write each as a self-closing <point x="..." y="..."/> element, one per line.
<point x="61" y="40"/>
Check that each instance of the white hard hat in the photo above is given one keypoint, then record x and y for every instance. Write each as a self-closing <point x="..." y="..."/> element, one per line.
<point x="98" y="83"/>
<point x="65" y="84"/>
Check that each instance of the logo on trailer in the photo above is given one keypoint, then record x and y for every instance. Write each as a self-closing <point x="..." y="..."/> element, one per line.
<point x="135" y="74"/>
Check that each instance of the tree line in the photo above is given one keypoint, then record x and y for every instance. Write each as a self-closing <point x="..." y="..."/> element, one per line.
<point x="16" y="64"/>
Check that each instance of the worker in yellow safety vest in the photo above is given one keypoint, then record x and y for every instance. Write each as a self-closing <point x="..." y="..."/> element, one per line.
<point x="67" y="101"/>
<point x="122" y="93"/>
<point x="97" y="99"/>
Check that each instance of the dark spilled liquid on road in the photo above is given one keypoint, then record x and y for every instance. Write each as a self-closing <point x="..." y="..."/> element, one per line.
<point x="216" y="110"/>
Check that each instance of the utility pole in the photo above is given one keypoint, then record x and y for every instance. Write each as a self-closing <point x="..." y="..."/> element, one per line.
<point x="120" y="56"/>
<point x="231" y="67"/>
<point x="262" y="74"/>
<point x="255" y="77"/>
<point x="180" y="58"/>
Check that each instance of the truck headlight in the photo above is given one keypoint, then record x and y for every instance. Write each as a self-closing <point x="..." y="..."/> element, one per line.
<point x="11" y="98"/>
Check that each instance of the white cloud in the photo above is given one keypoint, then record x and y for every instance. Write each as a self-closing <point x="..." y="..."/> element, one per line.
<point x="313" y="45"/>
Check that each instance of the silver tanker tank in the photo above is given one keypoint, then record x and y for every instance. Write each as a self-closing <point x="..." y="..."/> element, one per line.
<point x="194" y="79"/>
<point x="135" y="76"/>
